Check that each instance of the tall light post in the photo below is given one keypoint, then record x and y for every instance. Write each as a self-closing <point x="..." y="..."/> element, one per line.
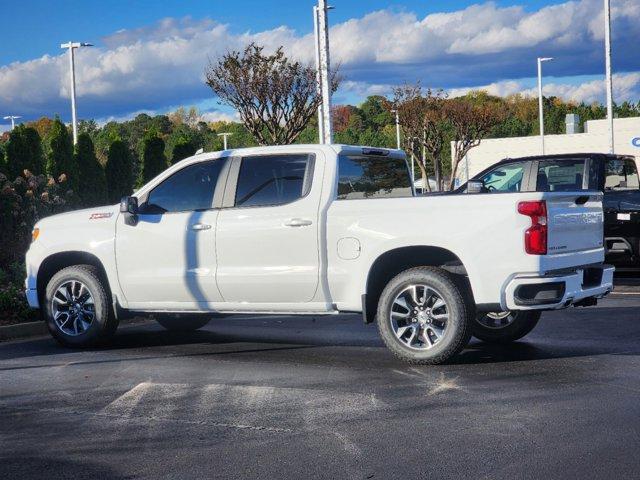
<point x="609" y="80"/>
<point x="224" y="136"/>
<point x="13" y="119"/>
<point x="325" y="68"/>
<point x="540" y="103"/>
<point x="395" y="110"/>
<point x="71" y="46"/>
<point x="316" y="37"/>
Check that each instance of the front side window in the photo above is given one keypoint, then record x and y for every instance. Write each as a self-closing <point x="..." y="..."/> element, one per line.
<point x="363" y="176"/>
<point x="505" y="178"/>
<point x="560" y="175"/>
<point x="273" y="179"/>
<point x="621" y="174"/>
<point x="189" y="189"/>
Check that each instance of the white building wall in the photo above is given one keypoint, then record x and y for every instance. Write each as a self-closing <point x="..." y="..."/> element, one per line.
<point x="594" y="140"/>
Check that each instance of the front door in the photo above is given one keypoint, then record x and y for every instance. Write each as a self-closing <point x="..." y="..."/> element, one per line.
<point x="267" y="240"/>
<point x="167" y="259"/>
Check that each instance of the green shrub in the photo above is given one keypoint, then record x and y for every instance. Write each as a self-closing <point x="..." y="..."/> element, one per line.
<point x="24" y="152"/>
<point x="119" y="171"/>
<point x="92" y="189"/>
<point x="23" y="202"/>
<point x="153" y="159"/>
<point x="60" y="158"/>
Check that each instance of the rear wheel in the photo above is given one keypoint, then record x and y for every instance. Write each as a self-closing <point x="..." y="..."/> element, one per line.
<point x="183" y="322"/>
<point x="504" y="327"/>
<point x="78" y="308"/>
<point x="423" y="316"/>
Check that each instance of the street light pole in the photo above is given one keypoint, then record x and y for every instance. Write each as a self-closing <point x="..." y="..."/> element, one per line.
<point x="397" y="127"/>
<point x="13" y="119"/>
<point x="224" y="136"/>
<point x="318" y="74"/>
<point x="540" y="102"/>
<point x="71" y="46"/>
<point x="325" y="68"/>
<point x="609" y="80"/>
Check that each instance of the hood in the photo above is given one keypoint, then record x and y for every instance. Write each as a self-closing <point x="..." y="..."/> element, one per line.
<point x="87" y="216"/>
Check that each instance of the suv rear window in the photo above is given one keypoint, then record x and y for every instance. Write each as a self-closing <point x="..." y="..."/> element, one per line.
<point x="560" y="175"/>
<point x="621" y="174"/>
<point x="364" y="176"/>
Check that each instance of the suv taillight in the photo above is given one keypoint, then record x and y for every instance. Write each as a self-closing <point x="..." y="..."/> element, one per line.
<point x="535" y="237"/>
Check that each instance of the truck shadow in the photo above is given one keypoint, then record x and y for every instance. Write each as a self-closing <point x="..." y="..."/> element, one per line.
<point x="342" y="339"/>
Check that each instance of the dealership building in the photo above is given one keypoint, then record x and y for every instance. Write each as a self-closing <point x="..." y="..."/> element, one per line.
<point x="595" y="138"/>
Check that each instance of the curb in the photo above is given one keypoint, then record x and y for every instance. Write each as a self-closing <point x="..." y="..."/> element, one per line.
<point x="21" y="330"/>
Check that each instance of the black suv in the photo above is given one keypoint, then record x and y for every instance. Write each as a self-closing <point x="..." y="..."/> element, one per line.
<point x="615" y="175"/>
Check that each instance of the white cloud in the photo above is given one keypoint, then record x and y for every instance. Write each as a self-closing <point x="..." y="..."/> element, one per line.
<point x="626" y="87"/>
<point x="150" y="68"/>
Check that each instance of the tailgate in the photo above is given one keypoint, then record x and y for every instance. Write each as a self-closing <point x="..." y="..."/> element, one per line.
<point x="575" y="220"/>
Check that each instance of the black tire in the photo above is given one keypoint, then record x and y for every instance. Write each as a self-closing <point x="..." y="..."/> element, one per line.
<point x="103" y="324"/>
<point x="183" y="322"/>
<point x="458" y="327"/>
<point x="520" y="324"/>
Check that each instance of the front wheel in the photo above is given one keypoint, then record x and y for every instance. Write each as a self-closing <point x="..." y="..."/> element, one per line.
<point x="504" y="327"/>
<point x="78" y="308"/>
<point x="424" y="317"/>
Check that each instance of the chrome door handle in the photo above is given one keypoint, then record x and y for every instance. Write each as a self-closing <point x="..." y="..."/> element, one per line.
<point x="298" y="222"/>
<point x="200" y="226"/>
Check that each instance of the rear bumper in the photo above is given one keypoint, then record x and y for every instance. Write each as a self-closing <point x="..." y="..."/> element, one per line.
<point x="550" y="292"/>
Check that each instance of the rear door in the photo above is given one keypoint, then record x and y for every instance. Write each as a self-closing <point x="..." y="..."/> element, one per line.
<point x="267" y="234"/>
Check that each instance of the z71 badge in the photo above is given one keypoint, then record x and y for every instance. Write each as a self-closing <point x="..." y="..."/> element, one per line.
<point x="97" y="216"/>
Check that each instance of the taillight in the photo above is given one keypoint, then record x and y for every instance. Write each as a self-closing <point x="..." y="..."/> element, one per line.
<point x="535" y="237"/>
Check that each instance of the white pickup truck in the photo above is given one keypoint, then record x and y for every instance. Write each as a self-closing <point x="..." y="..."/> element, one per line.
<point x="319" y="229"/>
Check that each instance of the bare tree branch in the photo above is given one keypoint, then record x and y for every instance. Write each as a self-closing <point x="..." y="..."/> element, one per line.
<point x="275" y="97"/>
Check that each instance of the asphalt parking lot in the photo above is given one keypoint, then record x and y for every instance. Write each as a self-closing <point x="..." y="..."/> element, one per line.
<point x="321" y="397"/>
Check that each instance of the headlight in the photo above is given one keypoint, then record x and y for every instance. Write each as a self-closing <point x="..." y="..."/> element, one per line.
<point x="35" y="233"/>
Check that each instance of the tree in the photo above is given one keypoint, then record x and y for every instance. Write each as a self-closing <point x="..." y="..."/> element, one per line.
<point x="182" y="150"/>
<point x="274" y="96"/>
<point x="119" y="171"/>
<point x="59" y="151"/>
<point x="153" y="159"/>
<point x="93" y="183"/>
<point x="470" y="123"/>
<point x="424" y="129"/>
<point x="24" y="152"/>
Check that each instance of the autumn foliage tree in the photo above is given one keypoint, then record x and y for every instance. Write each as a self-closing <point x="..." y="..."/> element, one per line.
<point x="471" y="121"/>
<point x="423" y="123"/>
<point x="274" y="96"/>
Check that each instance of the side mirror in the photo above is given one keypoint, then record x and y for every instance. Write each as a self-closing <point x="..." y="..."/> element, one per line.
<point x="129" y="205"/>
<point x="475" y="186"/>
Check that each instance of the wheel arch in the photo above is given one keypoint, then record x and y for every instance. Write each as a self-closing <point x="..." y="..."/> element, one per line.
<point x="57" y="261"/>
<point x="390" y="263"/>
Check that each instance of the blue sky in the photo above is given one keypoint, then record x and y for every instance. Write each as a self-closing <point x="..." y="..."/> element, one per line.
<point x="150" y="56"/>
<point x="37" y="27"/>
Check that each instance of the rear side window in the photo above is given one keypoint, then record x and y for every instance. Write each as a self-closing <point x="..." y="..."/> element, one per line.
<point x="273" y="179"/>
<point x="505" y="178"/>
<point x="560" y="175"/>
<point x="364" y="176"/>
<point x="190" y="188"/>
<point x="621" y="174"/>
